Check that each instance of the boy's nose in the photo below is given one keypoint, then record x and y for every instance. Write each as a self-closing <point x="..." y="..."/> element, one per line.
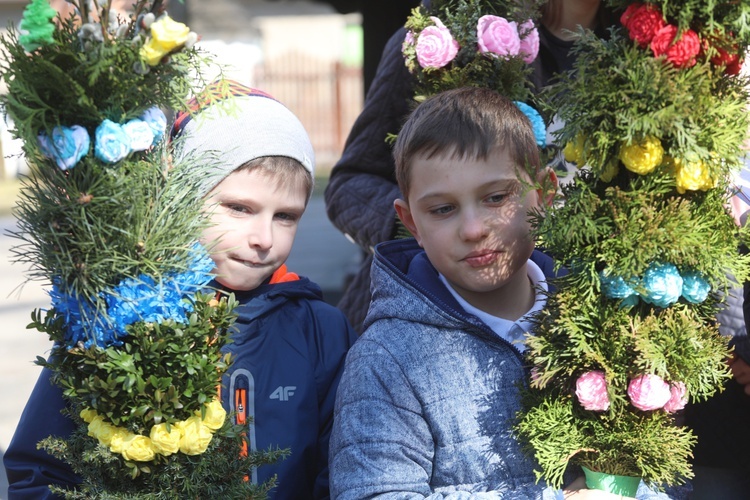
<point x="473" y="226"/>
<point x="260" y="235"/>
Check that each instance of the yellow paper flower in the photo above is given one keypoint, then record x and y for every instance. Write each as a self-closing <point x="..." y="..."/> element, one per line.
<point x="195" y="436"/>
<point x="88" y="415"/>
<point x="117" y="442"/>
<point x="164" y="442"/>
<point x="101" y="430"/>
<point x="573" y="151"/>
<point x="642" y="158"/>
<point x="137" y="448"/>
<point x="215" y="415"/>
<point x="692" y="176"/>
<point x="166" y="36"/>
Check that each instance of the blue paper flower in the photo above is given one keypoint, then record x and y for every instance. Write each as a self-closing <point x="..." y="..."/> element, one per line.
<point x="614" y="287"/>
<point x="140" y="135"/>
<point x="133" y="300"/>
<point x="537" y="123"/>
<point x="662" y="284"/>
<point x="112" y="143"/>
<point x="155" y="119"/>
<point x="694" y="287"/>
<point x="67" y="145"/>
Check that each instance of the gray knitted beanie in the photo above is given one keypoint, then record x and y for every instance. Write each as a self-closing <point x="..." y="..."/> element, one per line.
<point x="252" y="126"/>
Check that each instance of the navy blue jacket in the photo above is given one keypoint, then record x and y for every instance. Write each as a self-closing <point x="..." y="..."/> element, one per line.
<point x="288" y="348"/>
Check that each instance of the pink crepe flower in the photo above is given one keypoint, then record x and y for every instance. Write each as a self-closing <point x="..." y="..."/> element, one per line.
<point x="648" y="392"/>
<point x="498" y="36"/>
<point x="591" y="391"/>
<point x="681" y="53"/>
<point x="436" y="47"/>
<point x="678" y="397"/>
<point x="529" y="42"/>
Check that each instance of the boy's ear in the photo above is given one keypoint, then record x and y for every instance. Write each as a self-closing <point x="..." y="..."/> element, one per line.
<point x="404" y="214"/>
<point x="548" y="185"/>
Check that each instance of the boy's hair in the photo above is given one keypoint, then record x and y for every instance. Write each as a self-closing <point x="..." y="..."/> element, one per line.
<point x="229" y="126"/>
<point x="469" y="122"/>
<point x="281" y="170"/>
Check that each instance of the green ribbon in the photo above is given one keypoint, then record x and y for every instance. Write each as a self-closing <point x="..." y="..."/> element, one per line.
<point x="611" y="483"/>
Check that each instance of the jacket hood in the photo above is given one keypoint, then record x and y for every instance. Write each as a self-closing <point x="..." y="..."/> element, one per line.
<point x="405" y="285"/>
<point x="270" y="296"/>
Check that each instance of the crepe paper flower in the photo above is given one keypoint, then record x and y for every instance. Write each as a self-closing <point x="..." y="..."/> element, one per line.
<point x="101" y="430"/>
<point x="155" y="119"/>
<point x="678" y="397"/>
<point x="496" y="36"/>
<point x="537" y="122"/>
<point x="408" y="42"/>
<point x="691" y="176"/>
<point x="139" y="133"/>
<point x="591" y="391"/>
<point x="67" y="145"/>
<point x="730" y="60"/>
<point x="111" y="143"/>
<point x="165" y="442"/>
<point x="642" y="21"/>
<point x="681" y="51"/>
<point x="529" y="41"/>
<point x="215" y="415"/>
<point x="436" y="47"/>
<point x="662" y="284"/>
<point x="117" y="443"/>
<point x="137" y="448"/>
<point x="87" y="415"/>
<point x="614" y="287"/>
<point x="630" y="301"/>
<point x="195" y="436"/>
<point x="573" y="151"/>
<point x="695" y="288"/>
<point x="649" y="392"/>
<point x="642" y="157"/>
<point x="166" y="35"/>
<point x="36" y="25"/>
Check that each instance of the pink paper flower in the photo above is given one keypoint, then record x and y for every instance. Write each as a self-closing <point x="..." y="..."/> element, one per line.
<point x="648" y="392"/>
<point x="436" y="47"/>
<point x="498" y="36"/>
<point x="682" y="52"/>
<point x="529" y="41"/>
<point x="678" y="398"/>
<point x="642" y="22"/>
<point x="591" y="391"/>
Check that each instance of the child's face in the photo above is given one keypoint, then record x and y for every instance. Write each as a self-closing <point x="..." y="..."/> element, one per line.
<point x="471" y="218"/>
<point x="254" y="221"/>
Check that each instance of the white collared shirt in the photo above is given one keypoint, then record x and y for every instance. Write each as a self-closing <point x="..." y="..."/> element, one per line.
<point x="512" y="331"/>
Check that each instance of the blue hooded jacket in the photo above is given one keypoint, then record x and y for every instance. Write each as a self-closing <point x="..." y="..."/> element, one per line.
<point x="288" y="348"/>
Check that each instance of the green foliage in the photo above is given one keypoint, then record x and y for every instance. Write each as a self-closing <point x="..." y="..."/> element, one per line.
<point x="696" y="113"/>
<point x="163" y="372"/>
<point x="219" y="472"/>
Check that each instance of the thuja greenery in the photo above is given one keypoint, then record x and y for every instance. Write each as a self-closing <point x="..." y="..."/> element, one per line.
<point x="646" y="241"/>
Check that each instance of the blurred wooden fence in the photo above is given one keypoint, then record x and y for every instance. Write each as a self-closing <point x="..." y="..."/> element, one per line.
<point x="325" y="95"/>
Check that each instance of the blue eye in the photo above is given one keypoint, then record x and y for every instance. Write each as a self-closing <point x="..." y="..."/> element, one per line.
<point x="442" y="210"/>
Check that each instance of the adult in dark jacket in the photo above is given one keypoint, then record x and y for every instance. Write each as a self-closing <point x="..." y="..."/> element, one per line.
<point x="362" y="187"/>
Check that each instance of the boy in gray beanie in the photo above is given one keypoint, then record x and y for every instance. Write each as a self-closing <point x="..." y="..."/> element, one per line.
<point x="289" y="345"/>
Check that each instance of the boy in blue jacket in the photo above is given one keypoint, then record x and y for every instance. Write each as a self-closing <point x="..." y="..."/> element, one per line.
<point x="288" y="344"/>
<point x="429" y="392"/>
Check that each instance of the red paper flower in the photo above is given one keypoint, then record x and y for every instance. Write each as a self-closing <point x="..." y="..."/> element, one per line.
<point x="642" y="21"/>
<point x="731" y="60"/>
<point x="680" y="52"/>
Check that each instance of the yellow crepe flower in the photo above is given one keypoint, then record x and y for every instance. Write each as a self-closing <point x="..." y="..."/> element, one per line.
<point x="165" y="442"/>
<point x="611" y="169"/>
<point x="573" y="151"/>
<point x="117" y="443"/>
<point x="166" y="36"/>
<point x="215" y="415"/>
<point x="101" y="430"/>
<point x="88" y="415"/>
<point x="642" y="158"/>
<point x="692" y="176"/>
<point x="195" y="436"/>
<point x="137" y="448"/>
